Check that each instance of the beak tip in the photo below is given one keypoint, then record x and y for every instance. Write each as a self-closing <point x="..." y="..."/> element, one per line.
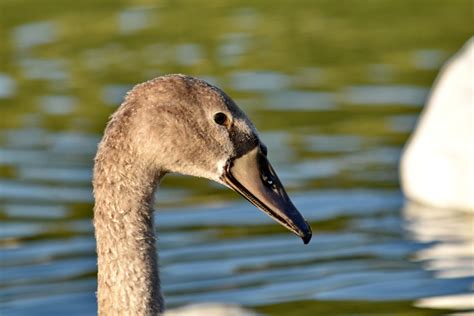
<point x="306" y="236"/>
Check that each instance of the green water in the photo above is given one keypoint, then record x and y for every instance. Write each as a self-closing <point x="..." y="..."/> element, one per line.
<point x="334" y="87"/>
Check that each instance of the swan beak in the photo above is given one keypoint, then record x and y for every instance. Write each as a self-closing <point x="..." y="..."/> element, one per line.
<point x="252" y="176"/>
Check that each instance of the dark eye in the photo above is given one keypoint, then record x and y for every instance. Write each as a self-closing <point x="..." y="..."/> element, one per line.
<point x="220" y="118"/>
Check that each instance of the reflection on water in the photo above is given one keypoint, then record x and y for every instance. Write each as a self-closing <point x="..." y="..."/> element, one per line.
<point x="429" y="58"/>
<point x="300" y="100"/>
<point x="334" y="93"/>
<point x="383" y="95"/>
<point x="451" y="254"/>
<point x="133" y="19"/>
<point x="33" y="34"/>
<point x="258" y="81"/>
<point x="7" y="86"/>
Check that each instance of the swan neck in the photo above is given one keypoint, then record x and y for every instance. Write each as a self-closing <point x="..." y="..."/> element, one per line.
<point x="128" y="278"/>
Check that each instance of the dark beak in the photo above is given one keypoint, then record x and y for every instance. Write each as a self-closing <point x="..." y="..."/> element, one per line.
<point x="252" y="176"/>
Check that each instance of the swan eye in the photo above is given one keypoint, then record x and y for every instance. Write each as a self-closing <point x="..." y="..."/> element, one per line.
<point x="220" y="118"/>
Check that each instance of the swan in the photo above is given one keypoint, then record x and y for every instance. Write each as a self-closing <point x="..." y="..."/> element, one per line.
<point x="437" y="164"/>
<point x="179" y="124"/>
<point x="437" y="177"/>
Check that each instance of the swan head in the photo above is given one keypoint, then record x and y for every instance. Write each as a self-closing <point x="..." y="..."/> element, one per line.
<point x="184" y="125"/>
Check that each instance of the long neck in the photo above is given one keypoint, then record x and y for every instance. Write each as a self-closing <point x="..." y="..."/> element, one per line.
<point x="128" y="279"/>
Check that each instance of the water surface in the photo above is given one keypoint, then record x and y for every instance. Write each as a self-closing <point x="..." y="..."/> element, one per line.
<point x="334" y="88"/>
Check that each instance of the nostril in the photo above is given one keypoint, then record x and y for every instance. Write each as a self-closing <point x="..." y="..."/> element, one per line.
<point x="268" y="180"/>
<point x="265" y="172"/>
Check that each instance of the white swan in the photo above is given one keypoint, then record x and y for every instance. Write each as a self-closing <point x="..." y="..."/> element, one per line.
<point x="437" y="166"/>
<point x="437" y="171"/>
<point x="177" y="124"/>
